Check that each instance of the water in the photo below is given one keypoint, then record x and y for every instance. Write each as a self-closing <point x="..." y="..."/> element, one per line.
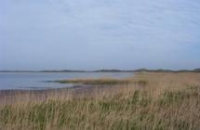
<point x="35" y="81"/>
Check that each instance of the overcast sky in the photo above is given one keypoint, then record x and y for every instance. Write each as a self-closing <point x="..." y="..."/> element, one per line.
<point x="97" y="34"/>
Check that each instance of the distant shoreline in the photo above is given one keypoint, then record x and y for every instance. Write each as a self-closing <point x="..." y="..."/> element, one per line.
<point x="102" y="70"/>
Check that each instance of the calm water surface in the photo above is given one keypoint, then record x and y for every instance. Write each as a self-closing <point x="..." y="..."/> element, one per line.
<point x="32" y="81"/>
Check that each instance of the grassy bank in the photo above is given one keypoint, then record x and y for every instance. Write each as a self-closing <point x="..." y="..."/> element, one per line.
<point x="101" y="81"/>
<point x="151" y="101"/>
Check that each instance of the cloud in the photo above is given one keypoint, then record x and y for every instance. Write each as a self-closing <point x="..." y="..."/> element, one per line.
<point x="141" y="32"/>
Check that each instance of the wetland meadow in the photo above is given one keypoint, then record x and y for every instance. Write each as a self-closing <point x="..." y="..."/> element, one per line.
<point x="147" y="100"/>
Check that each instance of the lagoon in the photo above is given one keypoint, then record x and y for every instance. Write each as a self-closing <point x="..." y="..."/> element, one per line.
<point x="38" y="80"/>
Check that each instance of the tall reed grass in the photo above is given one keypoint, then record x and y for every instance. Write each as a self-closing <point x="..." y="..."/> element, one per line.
<point x="150" y="101"/>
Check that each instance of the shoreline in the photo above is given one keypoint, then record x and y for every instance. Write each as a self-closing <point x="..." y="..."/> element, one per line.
<point x="23" y="91"/>
<point x="8" y="96"/>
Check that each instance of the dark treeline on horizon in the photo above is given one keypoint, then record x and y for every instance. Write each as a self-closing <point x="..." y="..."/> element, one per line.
<point x="108" y="70"/>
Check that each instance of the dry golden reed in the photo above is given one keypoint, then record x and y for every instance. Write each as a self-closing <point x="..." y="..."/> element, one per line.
<point x="149" y="101"/>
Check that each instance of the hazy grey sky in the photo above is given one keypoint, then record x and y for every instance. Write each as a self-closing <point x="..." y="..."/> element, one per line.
<point x="96" y="34"/>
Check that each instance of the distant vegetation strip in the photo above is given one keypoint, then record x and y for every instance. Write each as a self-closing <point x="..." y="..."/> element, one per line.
<point x="108" y="70"/>
<point x="103" y="81"/>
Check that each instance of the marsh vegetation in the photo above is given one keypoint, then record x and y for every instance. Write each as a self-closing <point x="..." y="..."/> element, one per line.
<point x="153" y="101"/>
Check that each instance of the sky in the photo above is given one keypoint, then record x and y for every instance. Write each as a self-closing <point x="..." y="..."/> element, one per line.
<point x="99" y="34"/>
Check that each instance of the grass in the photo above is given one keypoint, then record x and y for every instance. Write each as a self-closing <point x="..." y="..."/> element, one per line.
<point x="150" y="101"/>
<point x="101" y="81"/>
